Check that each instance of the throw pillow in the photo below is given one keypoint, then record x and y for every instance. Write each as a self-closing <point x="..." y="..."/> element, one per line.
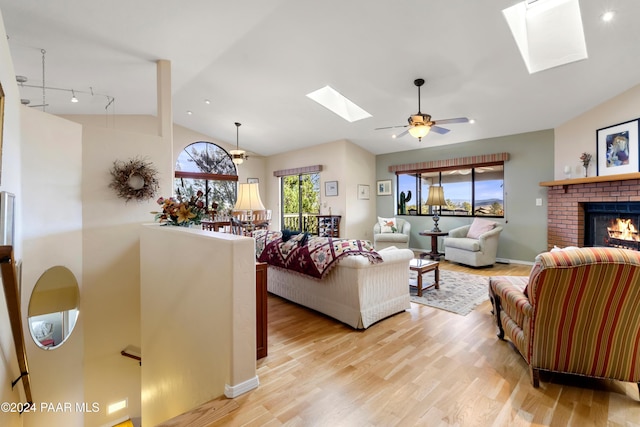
<point x="558" y="248"/>
<point x="480" y="226"/>
<point x="287" y="234"/>
<point x="388" y="225"/>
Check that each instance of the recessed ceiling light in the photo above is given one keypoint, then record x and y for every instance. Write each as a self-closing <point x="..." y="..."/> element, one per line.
<point x="472" y="121"/>
<point x="189" y="112"/>
<point x="332" y="100"/>
<point x="206" y="101"/>
<point x="608" y="16"/>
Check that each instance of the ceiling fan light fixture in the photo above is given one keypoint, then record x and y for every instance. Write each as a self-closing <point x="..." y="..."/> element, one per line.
<point x="419" y="131"/>
<point x="238" y="156"/>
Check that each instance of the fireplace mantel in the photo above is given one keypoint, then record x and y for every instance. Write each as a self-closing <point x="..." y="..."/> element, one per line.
<point x="591" y="179"/>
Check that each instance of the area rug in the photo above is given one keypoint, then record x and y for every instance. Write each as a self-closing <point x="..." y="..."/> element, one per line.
<point x="459" y="292"/>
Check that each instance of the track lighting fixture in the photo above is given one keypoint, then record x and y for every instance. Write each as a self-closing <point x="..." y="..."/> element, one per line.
<point x="22" y="83"/>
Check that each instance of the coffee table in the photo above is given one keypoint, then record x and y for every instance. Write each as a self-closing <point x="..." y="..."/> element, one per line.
<point x="422" y="266"/>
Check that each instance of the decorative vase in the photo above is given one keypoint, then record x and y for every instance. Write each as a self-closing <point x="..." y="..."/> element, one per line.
<point x="586" y="169"/>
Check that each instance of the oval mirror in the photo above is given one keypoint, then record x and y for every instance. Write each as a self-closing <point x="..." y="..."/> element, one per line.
<point x="53" y="307"/>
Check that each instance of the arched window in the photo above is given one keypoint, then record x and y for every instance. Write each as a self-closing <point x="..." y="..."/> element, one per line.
<point x="208" y="167"/>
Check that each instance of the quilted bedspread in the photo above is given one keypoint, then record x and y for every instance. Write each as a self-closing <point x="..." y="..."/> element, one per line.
<point x="314" y="257"/>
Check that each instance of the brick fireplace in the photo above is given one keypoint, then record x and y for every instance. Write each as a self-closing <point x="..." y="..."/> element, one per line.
<point x="566" y="201"/>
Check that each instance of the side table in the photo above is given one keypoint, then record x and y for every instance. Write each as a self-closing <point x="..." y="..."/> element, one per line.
<point x="434" y="254"/>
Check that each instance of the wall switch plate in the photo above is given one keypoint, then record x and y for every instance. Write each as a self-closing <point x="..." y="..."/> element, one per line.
<point x="538" y="202"/>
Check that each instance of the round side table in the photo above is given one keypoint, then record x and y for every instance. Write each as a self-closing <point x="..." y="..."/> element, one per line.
<point x="434" y="254"/>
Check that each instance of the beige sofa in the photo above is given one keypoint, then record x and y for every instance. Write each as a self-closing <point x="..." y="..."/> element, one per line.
<point x="355" y="291"/>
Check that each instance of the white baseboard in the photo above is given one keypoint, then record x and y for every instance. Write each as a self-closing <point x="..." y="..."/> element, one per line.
<point x="513" y="261"/>
<point x="232" y="391"/>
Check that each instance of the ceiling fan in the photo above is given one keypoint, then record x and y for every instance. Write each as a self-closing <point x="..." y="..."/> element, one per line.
<point x="420" y="124"/>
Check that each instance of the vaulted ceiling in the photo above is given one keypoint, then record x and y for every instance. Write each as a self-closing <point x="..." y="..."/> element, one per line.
<point x="256" y="60"/>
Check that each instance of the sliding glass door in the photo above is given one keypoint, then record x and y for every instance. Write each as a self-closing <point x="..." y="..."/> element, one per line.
<point x="300" y="202"/>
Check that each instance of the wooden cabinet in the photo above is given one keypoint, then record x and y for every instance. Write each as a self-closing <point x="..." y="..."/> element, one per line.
<point x="329" y="225"/>
<point x="261" y="309"/>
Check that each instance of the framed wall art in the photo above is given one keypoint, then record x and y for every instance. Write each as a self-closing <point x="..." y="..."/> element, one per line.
<point x="384" y="187"/>
<point x="617" y="149"/>
<point x="331" y="188"/>
<point x="363" y="192"/>
<point x="253" y="180"/>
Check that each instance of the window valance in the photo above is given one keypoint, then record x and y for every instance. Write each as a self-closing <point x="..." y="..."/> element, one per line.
<point x="461" y="162"/>
<point x="298" y="171"/>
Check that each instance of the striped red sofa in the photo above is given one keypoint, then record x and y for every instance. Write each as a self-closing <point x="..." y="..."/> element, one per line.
<point x="578" y="312"/>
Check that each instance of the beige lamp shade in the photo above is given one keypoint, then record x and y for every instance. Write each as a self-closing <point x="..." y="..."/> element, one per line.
<point x="248" y="198"/>
<point x="436" y="196"/>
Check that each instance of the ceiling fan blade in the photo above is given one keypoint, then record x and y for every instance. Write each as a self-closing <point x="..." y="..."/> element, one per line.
<point x="402" y="134"/>
<point x="391" y="127"/>
<point x="438" y="129"/>
<point x="456" y="120"/>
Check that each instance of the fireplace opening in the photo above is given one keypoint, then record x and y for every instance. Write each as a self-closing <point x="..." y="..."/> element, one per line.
<point x="613" y="224"/>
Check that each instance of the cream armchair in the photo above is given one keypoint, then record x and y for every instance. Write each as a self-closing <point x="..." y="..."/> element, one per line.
<point x="399" y="239"/>
<point x="475" y="244"/>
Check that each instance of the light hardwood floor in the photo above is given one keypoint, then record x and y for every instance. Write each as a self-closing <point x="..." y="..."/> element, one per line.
<point x="423" y="367"/>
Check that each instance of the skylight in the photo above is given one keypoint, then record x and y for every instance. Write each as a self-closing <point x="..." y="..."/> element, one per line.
<point x="331" y="99"/>
<point x="548" y="33"/>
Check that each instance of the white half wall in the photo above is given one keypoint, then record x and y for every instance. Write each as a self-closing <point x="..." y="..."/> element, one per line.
<point x="198" y="316"/>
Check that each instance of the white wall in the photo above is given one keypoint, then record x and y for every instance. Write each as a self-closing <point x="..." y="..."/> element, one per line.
<point x="10" y="181"/>
<point x="579" y="134"/>
<point x="198" y="318"/>
<point x="254" y="167"/>
<point x="341" y="161"/>
<point x="52" y="160"/>
<point x="360" y="168"/>
<point x="110" y="301"/>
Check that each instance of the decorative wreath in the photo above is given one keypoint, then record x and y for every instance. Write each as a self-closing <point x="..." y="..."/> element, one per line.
<point x="134" y="179"/>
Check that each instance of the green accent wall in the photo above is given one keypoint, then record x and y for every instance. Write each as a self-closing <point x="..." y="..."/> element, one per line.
<point x="525" y="224"/>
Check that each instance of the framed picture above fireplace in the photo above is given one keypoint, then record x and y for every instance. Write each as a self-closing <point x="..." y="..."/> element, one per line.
<point x="617" y="149"/>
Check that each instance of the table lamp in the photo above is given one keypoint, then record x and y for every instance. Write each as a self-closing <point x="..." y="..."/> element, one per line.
<point x="436" y="198"/>
<point x="249" y="200"/>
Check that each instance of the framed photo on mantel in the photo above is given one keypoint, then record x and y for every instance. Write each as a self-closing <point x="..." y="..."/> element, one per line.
<point x="617" y="149"/>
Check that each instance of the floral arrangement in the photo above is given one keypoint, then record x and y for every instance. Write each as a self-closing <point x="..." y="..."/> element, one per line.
<point x="585" y="158"/>
<point x="187" y="208"/>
